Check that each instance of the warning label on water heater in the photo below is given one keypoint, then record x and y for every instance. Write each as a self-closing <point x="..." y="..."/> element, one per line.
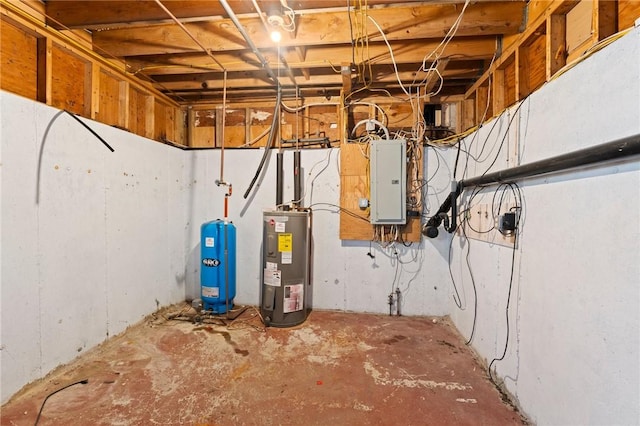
<point x="285" y="242"/>
<point x="293" y="298"/>
<point x="272" y="277"/>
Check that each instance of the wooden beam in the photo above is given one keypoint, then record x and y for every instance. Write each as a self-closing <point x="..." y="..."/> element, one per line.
<point x="411" y="51"/>
<point x="101" y="13"/>
<point x="434" y="76"/>
<point x="401" y="23"/>
<point x="212" y="81"/>
<point x="301" y="51"/>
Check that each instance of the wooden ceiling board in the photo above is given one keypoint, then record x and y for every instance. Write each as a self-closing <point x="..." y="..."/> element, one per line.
<point x="153" y="47"/>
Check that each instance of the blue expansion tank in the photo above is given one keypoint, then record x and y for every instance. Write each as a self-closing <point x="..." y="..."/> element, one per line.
<point x="217" y="269"/>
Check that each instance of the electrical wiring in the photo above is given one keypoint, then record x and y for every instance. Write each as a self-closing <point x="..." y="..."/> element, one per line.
<point x="506" y="133"/>
<point x="79" y="382"/>
<point x="516" y="191"/>
<point x="473" y="285"/>
<point x="310" y="184"/>
<point x="393" y="59"/>
<point x="456" y="296"/>
<point x="341" y="209"/>
<point x="447" y="38"/>
<point x="384" y="119"/>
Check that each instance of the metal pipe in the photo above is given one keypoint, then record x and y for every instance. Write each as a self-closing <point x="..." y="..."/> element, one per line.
<point x="297" y="179"/>
<point x="204" y="49"/>
<point x="246" y="37"/>
<point x="583" y="157"/>
<point x="279" y="178"/>
<point x="615" y="150"/>
<point x="224" y="122"/>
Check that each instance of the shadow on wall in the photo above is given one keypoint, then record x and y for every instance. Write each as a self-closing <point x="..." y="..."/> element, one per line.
<point x="192" y="276"/>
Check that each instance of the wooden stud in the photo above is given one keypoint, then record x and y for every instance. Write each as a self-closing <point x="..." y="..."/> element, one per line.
<point x="149" y="116"/>
<point x="556" y="44"/>
<point x="498" y="88"/>
<point x="92" y="90"/>
<point x="605" y="19"/>
<point x="123" y="104"/>
<point x="45" y="70"/>
<point x="247" y="125"/>
<point x="190" y="126"/>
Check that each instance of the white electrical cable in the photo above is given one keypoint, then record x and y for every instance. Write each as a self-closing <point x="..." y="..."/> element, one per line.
<point x="393" y="59"/>
<point x="371" y="120"/>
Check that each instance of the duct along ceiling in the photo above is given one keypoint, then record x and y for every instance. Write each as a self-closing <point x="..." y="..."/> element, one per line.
<point x="436" y="48"/>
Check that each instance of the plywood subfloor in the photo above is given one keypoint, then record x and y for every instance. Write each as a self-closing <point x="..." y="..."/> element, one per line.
<point x="335" y="369"/>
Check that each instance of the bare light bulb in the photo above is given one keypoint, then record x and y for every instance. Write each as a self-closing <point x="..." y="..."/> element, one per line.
<point x="276" y="36"/>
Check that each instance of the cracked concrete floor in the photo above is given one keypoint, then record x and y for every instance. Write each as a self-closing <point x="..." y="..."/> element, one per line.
<point x="335" y="369"/>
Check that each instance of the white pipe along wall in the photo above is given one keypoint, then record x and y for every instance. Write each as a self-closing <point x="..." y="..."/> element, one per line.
<point x="574" y="306"/>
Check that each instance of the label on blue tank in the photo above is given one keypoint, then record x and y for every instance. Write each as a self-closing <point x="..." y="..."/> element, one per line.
<point x="209" y="242"/>
<point x="210" y="262"/>
<point x="212" y="292"/>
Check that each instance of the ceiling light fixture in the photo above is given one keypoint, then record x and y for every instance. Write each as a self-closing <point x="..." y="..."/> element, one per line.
<point x="276" y="36"/>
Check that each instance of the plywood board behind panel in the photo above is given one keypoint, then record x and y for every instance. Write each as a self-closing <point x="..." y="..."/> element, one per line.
<point x="137" y="111"/>
<point x="109" y="100"/>
<point x="159" y="118"/>
<point x="18" y="61"/>
<point x="628" y="12"/>
<point x="69" y="79"/>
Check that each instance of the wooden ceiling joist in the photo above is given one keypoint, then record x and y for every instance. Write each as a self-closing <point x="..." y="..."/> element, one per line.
<point x="424" y="22"/>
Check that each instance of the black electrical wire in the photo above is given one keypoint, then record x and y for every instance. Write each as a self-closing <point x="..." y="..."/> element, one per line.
<point x="506" y="342"/>
<point x="89" y="129"/>
<point x="44" y="139"/>
<point x="267" y="149"/>
<point x="473" y="284"/>
<point x="518" y="194"/>
<point x="456" y="295"/>
<point x="83" y="382"/>
<point x="506" y="133"/>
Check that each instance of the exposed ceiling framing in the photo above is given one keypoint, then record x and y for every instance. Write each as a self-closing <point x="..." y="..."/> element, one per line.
<point x="328" y="36"/>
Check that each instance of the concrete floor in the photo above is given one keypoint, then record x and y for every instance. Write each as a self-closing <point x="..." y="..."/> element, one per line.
<point x="335" y="369"/>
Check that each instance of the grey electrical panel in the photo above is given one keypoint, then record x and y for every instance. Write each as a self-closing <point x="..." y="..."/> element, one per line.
<point x="388" y="169"/>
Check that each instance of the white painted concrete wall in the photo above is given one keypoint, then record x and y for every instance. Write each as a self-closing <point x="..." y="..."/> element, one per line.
<point x="344" y="277"/>
<point x="115" y="235"/>
<point x="102" y="247"/>
<point x="574" y="348"/>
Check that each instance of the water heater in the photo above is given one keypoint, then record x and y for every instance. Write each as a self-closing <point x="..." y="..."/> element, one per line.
<point x="217" y="266"/>
<point x="285" y="298"/>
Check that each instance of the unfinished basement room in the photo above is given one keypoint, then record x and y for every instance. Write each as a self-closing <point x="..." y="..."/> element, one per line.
<point x="320" y="212"/>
